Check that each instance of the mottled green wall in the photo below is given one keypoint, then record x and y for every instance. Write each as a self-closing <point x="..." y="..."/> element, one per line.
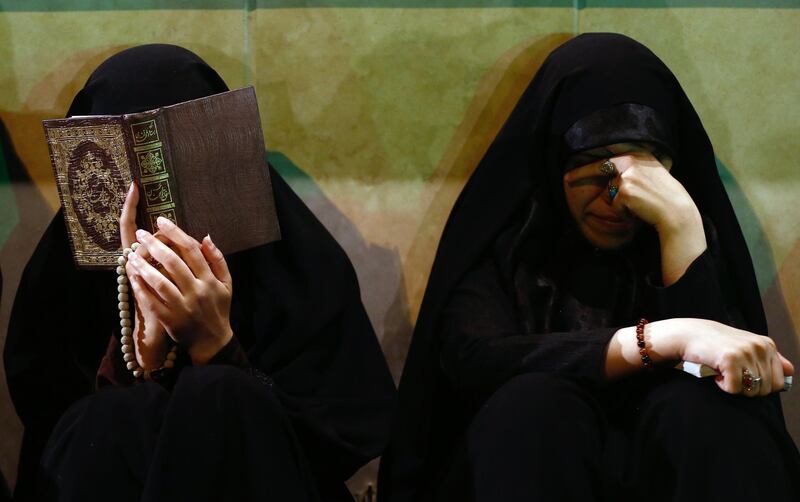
<point x="377" y="112"/>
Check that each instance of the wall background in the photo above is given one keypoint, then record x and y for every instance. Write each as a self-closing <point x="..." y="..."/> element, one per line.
<point x="376" y="111"/>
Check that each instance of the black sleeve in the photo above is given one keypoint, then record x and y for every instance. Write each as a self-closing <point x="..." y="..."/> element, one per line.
<point x="482" y="347"/>
<point x="698" y="293"/>
<point x="232" y="354"/>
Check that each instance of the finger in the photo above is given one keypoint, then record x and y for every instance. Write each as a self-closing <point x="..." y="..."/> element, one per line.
<point x="187" y="246"/>
<point x="127" y="220"/>
<point x="777" y="373"/>
<point x="173" y="264"/>
<point x="752" y="389"/>
<point x="589" y="173"/>
<point x="787" y="366"/>
<point x="216" y="261"/>
<point x="730" y="377"/>
<point x="644" y="158"/>
<point x="143" y="250"/>
<point x="165" y="290"/>
<point x="146" y="298"/>
<point x="611" y="192"/>
<point x="763" y="387"/>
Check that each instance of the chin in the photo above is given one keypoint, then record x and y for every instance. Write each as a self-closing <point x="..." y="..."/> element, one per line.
<point x="609" y="242"/>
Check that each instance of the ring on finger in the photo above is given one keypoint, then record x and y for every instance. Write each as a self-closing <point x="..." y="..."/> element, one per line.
<point x="613" y="190"/>
<point x="608" y="168"/>
<point x="750" y="382"/>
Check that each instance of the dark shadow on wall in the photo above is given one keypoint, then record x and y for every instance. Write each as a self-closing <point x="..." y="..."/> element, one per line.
<point x="781" y="327"/>
<point x="494" y="99"/>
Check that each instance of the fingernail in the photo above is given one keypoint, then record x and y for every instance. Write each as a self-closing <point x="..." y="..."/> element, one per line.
<point x="163" y="222"/>
<point x="210" y="242"/>
<point x="130" y="188"/>
<point x="141" y="234"/>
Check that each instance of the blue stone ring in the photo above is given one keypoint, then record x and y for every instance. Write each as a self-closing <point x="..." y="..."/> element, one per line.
<point x="612" y="191"/>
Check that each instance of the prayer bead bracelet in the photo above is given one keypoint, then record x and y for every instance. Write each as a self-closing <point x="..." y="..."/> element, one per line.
<point x="128" y="353"/>
<point x="648" y="363"/>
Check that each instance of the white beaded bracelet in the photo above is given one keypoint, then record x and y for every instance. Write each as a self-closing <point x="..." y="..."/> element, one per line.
<point x="126" y="324"/>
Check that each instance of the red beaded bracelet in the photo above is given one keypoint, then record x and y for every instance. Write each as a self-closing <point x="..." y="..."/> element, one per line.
<point x="648" y="363"/>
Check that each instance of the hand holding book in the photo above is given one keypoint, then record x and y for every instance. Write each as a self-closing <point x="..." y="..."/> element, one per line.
<point x="149" y="336"/>
<point x="188" y="295"/>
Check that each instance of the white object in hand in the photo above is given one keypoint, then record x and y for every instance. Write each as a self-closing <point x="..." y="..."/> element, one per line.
<point x="700" y="370"/>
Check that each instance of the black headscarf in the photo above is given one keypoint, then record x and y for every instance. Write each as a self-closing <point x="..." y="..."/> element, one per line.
<point x="517" y="185"/>
<point x="296" y="306"/>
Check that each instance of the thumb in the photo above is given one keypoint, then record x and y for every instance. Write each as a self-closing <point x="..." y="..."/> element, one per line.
<point x="127" y="220"/>
<point x="216" y="261"/>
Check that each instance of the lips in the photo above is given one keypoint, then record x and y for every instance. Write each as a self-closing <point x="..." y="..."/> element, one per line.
<point x="611" y="222"/>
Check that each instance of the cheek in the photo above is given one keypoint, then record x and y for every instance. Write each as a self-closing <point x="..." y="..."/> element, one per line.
<point x="579" y="198"/>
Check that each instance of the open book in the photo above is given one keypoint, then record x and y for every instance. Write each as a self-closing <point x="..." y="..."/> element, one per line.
<point x="200" y="163"/>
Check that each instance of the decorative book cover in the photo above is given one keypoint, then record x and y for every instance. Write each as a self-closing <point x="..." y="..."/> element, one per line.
<point x="200" y="163"/>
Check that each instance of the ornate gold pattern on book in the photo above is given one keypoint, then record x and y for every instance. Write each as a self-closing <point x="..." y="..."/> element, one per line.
<point x="93" y="175"/>
<point x="151" y="162"/>
<point x="154" y="171"/>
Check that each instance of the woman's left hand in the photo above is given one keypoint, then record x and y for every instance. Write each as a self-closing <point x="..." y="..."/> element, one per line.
<point x="649" y="191"/>
<point x="193" y="304"/>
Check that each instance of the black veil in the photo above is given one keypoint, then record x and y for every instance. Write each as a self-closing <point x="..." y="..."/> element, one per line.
<point x="513" y="184"/>
<point x="296" y="308"/>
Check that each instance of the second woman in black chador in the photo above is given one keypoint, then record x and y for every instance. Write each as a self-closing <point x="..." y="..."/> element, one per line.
<point x="597" y="207"/>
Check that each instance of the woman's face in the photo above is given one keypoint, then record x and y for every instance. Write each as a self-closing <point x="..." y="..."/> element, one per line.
<point x="589" y="203"/>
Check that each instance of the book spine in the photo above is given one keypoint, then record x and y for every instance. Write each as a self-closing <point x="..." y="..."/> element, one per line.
<point x="152" y="167"/>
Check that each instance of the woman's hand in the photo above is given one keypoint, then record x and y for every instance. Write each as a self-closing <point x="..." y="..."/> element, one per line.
<point x="193" y="302"/>
<point x="731" y="351"/>
<point x="149" y="336"/>
<point x="728" y="350"/>
<point x="648" y="190"/>
<point x="645" y="190"/>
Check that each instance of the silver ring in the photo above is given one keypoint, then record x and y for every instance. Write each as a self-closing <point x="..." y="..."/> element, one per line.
<point x="749" y="381"/>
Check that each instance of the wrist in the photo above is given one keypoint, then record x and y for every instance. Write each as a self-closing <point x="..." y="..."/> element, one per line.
<point x="681" y="243"/>
<point x="665" y="343"/>
<point x="685" y="218"/>
<point x="202" y="351"/>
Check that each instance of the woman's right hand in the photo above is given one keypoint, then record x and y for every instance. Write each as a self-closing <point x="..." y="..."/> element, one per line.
<point x="728" y="350"/>
<point x="149" y="336"/>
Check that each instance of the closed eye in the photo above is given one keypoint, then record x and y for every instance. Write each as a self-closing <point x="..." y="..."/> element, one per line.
<point x="599" y="180"/>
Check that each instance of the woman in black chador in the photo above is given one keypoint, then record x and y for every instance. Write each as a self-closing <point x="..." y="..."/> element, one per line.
<point x="592" y="248"/>
<point x="279" y="390"/>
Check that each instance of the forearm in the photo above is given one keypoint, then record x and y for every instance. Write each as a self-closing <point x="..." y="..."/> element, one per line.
<point x="682" y="240"/>
<point x="622" y="355"/>
<point x="476" y="364"/>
